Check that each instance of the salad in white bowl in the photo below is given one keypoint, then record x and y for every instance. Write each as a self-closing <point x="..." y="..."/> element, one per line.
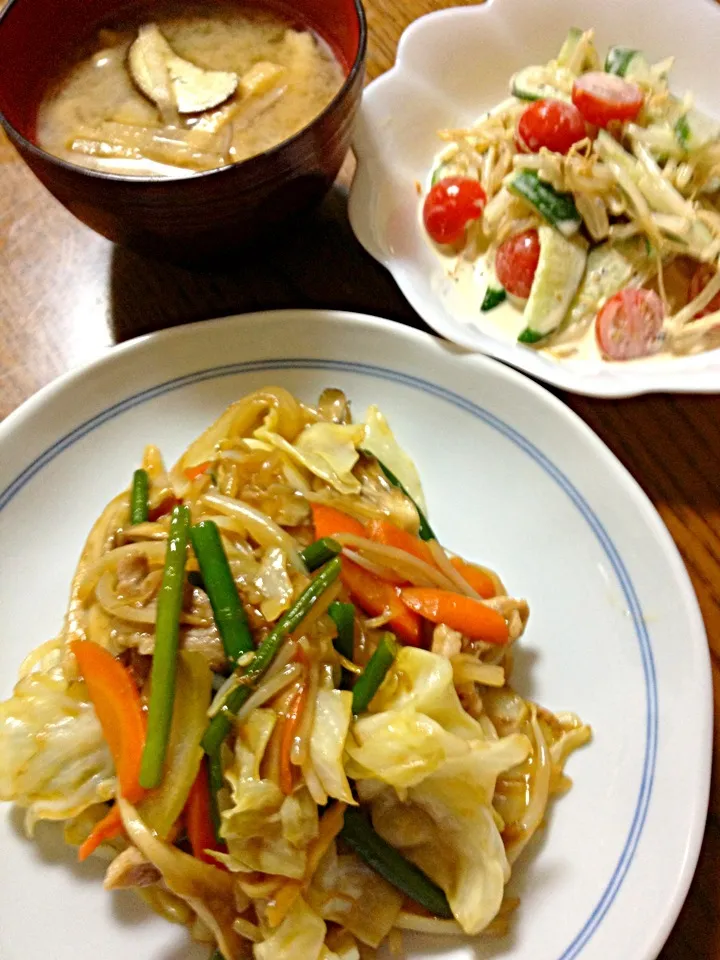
<point x="560" y="211"/>
<point x="589" y="203"/>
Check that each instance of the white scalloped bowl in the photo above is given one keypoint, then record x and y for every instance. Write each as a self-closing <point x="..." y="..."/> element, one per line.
<point x="453" y="65"/>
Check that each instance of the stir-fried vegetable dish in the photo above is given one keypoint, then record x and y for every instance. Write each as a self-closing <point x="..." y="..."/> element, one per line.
<point x="277" y="707"/>
<point x="590" y="202"/>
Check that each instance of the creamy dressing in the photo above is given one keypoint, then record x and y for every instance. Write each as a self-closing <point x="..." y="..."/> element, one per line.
<point x="463" y="289"/>
<point x="95" y="115"/>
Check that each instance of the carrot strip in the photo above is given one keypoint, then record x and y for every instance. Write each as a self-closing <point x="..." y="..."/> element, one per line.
<point x="476" y="577"/>
<point x="291" y="722"/>
<point x="109" y="827"/>
<point x="328" y="521"/>
<point x="389" y="534"/>
<point x="474" y="619"/>
<point x="192" y="473"/>
<point x="119" y="710"/>
<point x="198" y="818"/>
<point x="375" y="596"/>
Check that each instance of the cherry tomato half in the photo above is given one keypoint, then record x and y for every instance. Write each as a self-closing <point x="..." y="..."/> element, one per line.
<point x="551" y="124"/>
<point x="629" y="324"/>
<point x="516" y="262"/>
<point x="700" y="279"/>
<point x="604" y="97"/>
<point x="450" y="206"/>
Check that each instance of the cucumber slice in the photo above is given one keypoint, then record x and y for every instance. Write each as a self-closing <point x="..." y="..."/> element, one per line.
<point x="529" y="336"/>
<point x="628" y="63"/>
<point x="494" y="296"/>
<point x="557" y="208"/>
<point x="557" y="278"/>
<point x="531" y="84"/>
<point x="567" y="51"/>
<point x="536" y="83"/>
<point x="694" y="130"/>
<point x="610" y="268"/>
<point x="607" y="272"/>
<point x="495" y="293"/>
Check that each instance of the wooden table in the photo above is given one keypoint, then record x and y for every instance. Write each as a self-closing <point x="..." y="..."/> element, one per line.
<point x="67" y="295"/>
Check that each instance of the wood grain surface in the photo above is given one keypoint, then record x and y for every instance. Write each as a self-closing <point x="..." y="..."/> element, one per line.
<point x="67" y="295"/>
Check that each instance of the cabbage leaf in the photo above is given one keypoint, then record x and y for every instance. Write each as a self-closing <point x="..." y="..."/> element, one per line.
<point x="53" y="757"/>
<point x="274" y="407"/>
<point x="300" y="935"/>
<point x="425" y="684"/>
<point x="347" y="891"/>
<point x="333" y="713"/>
<point x="380" y="441"/>
<point x="427" y="771"/>
<point x="273" y="582"/>
<point x="264" y="830"/>
<point x="327" y="450"/>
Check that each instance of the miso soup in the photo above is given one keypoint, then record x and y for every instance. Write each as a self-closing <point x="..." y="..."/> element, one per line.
<point x="177" y="90"/>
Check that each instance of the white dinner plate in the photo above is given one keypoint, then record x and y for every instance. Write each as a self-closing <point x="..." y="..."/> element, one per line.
<point x="452" y="66"/>
<point x="513" y="479"/>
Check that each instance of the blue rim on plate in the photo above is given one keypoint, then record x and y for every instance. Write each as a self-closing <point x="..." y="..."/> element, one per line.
<point x="614" y="884"/>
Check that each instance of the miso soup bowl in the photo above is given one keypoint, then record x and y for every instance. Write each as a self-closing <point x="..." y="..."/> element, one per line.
<point x="191" y="217"/>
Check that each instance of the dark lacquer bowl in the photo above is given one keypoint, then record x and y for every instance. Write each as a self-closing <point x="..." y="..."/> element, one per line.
<point x="189" y="217"/>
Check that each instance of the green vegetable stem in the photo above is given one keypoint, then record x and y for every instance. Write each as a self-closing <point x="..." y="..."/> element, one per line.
<point x="164" y="664"/>
<point x="221" y="723"/>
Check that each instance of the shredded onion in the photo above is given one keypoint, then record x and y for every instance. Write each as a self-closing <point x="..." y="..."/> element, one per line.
<point x="506" y="606"/>
<point x="375" y="568"/>
<point x="223" y="692"/>
<point x="258" y="887"/>
<point x="165" y="904"/>
<point x="696" y="305"/>
<point x="569" y="741"/>
<point x="249" y="931"/>
<point x="259" y="526"/>
<point x="374" y="623"/>
<point x="468" y="669"/>
<point x="416" y="571"/>
<point x="353" y="508"/>
<point x="236" y="531"/>
<point x="432" y="925"/>
<point x="701" y="327"/>
<point x="42" y="656"/>
<point x="281" y="661"/>
<point x="146" y="531"/>
<point x="446" y="928"/>
<point x="268" y="689"/>
<point x="443" y="562"/>
<point x="312" y="782"/>
<point x="154" y="551"/>
<point x="539" y="793"/>
<point x="349" y="665"/>
<point x="105" y="595"/>
<point x="284" y="656"/>
<point x="295" y="478"/>
<point x="299" y="751"/>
